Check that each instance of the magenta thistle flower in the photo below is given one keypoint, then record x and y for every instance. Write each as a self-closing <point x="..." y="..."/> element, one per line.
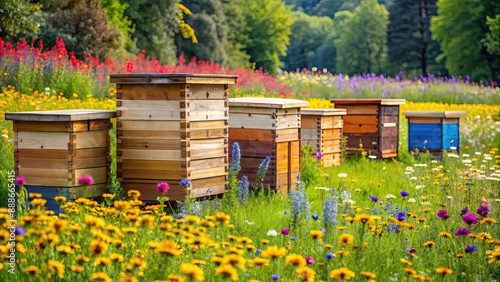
<point x="443" y="214"/>
<point x="470" y="218"/>
<point x="86" y="180"/>
<point x="20" y="180"/>
<point x="162" y="187"/>
<point x="285" y="231"/>
<point x="462" y="231"/>
<point x="309" y="260"/>
<point x="483" y="210"/>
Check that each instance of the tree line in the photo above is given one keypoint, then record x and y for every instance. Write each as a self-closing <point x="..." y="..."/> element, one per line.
<point x="440" y="37"/>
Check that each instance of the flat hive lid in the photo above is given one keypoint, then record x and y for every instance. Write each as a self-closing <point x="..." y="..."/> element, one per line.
<point x="171" y="78"/>
<point x="280" y="103"/>
<point x="323" y="112"/>
<point x="364" y="101"/>
<point x="61" y="115"/>
<point x="445" y="114"/>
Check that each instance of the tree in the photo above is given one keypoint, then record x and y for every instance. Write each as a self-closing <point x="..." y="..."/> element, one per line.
<point x="411" y="48"/>
<point x="269" y="23"/>
<point x="492" y="40"/>
<point x="19" y="18"/>
<point x="237" y="35"/>
<point x="82" y="24"/>
<point x="361" y="38"/>
<point x="209" y="22"/>
<point x="309" y="33"/>
<point x="155" y="25"/>
<point x="116" y="16"/>
<point x="460" y="28"/>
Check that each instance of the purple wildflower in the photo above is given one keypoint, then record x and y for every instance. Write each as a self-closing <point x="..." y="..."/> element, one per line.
<point x="483" y="210"/>
<point x="285" y="231"/>
<point x="462" y="231"/>
<point x="375" y="199"/>
<point x="464" y="211"/>
<point x="401" y="216"/>
<point x="19" y="231"/>
<point x="471" y="249"/>
<point x="309" y="260"/>
<point x="330" y="256"/>
<point x="443" y="214"/>
<point x="275" y="276"/>
<point x="404" y="193"/>
<point x="470" y="218"/>
<point x="314" y="216"/>
<point x="319" y="155"/>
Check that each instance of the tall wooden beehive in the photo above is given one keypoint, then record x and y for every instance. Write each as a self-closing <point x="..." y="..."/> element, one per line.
<point x="322" y="129"/>
<point x="371" y="125"/>
<point x="267" y="127"/>
<point x="172" y="127"/>
<point x="53" y="149"/>
<point x="434" y="131"/>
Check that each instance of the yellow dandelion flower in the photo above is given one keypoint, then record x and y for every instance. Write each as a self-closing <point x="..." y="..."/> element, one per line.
<point x="193" y="271"/>
<point x="305" y="273"/>
<point x="101" y="276"/>
<point x="316" y="234"/>
<point x="33" y="270"/>
<point x="129" y="278"/>
<point x="65" y="249"/>
<point x="175" y="278"/>
<point x="168" y="247"/>
<point x="76" y="268"/>
<point x="98" y="247"/>
<point x="234" y="260"/>
<point x="406" y="262"/>
<point x="368" y="274"/>
<point x="295" y="260"/>
<point x="102" y="261"/>
<point x="410" y="271"/>
<point x="364" y="218"/>
<point x="444" y="270"/>
<point x="342" y="273"/>
<point x="222" y="217"/>
<point x="429" y="244"/>
<point x="227" y="271"/>
<point x="445" y="234"/>
<point x="139" y="262"/>
<point x="345" y="239"/>
<point x="258" y="262"/>
<point x="57" y="267"/>
<point x="274" y="252"/>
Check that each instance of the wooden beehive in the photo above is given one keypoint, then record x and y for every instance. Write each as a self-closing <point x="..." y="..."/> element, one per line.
<point x="434" y="131"/>
<point x="371" y="125"/>
<point x="172" y="127"/>
<point x="322" y="129"/>
<point x="267" y="127"/>
<point x="53" y="149"/>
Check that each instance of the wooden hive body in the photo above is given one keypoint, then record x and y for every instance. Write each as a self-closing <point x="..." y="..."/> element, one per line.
<point x="53" y="149"/>
<point x="322" y="129"/>
<point x="433" y="131"/>
<point x="371" y="125"/>
<point x="172" y="127"/>
<point x="267" y="127"/>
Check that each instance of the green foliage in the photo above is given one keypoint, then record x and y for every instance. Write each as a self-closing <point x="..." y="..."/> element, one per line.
<point x="237" y="35"/>
<point x="115" y="11"/>
<point x="19" y="18"/>
<point x="209" y="22"/>
<point x="83" y="25"/>
<point x="460" y="27"/>
<point x="411" y="48"/>
<point x="361" y="42"/>
<point x="492" y="40"/>
<point x="309" y="34"/>
<point x="155" y="24"/>
<point x="269" y="23"/>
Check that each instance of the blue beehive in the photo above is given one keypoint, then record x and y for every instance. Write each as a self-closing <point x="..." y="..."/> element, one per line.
<point x="434" y="131"/>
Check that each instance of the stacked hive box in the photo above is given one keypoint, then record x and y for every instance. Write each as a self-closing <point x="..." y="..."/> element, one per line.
<point x="267" y="127"/>
<point x="433" y="131"/>
<point x="322" y="129"/>
<point x="371" y="125"/>
<point x="172" y="127"/>
<point x="53" y="149"/>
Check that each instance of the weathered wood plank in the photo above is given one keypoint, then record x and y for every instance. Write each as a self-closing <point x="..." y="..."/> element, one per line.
<point x="153" y="125"/>
<point x="149" y="92"/>
<point x="149" y="134"/>
<point x="207" y="92"/>
<point x="149" y="110"/>
<point x="151" y="144"/>
<point x="43" y="140"/>
<point x="61" y="126"/>
<point x="359" y="109"/>
<point x="149" y="154"/>
<point x="90" y="139"/>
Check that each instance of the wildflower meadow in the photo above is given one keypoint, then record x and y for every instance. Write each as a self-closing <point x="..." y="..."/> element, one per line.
<point x="403" y="219"/>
